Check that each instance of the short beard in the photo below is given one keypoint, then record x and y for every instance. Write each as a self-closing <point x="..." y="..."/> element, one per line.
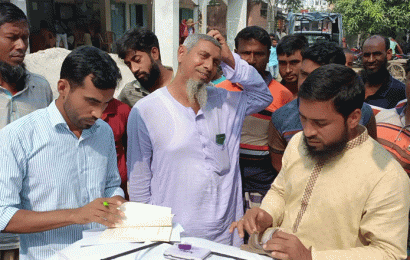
<point x="197" y="91"/>
<point x="14" y="75"/>
<point x="153" y="76"/>
<point x="376" y="77"/>
<point x="329" y="151"/>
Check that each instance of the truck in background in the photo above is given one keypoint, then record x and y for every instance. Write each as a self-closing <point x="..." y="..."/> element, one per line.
<point x="317" y="26"/>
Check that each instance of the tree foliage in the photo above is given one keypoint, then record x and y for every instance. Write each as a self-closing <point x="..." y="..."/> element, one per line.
<point x="374" y="16"/>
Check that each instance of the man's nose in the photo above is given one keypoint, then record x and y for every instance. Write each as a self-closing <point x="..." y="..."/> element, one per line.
<point x="98" y="111"/>
<point x="288" y="68"/>
<point x="309" y="130"/>
<point x="134" y="68"/>
<point x="252" y="59"/>
<point x="208" y="64"/>
<point x="20" y="44"/>
<point x="371" y="58"/>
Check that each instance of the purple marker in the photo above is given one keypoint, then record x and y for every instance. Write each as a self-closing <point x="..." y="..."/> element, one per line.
<point x="184" y="247"/>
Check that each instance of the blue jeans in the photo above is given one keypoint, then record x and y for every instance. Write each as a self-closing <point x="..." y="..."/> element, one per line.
<point x="274" y="70"/>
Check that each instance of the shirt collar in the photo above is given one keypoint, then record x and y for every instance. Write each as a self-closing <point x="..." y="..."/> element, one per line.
<point x="56" y="119"/>
<point x="358" y="140"/>
<point x="384" y="89"/>
<point x="137" y="85"/>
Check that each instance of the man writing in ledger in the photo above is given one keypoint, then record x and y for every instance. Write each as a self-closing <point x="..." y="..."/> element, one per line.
<point x="59" y="165"/>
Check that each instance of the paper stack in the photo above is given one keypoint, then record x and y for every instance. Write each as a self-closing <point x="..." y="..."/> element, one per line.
<point x="142" y="222"/>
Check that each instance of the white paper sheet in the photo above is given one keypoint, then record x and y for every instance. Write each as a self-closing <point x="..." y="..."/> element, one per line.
<point x="142" y="222"/>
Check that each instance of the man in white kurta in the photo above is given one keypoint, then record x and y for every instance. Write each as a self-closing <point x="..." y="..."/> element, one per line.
<point x="186" y="157"/>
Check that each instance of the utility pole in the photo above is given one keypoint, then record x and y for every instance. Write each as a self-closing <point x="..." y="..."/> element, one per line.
<point x="272" y="11"/>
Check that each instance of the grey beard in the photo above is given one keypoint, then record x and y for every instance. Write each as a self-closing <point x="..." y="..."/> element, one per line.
<point x="197" y="91"/>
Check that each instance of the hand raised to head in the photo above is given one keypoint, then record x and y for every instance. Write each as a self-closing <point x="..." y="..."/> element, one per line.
<point x="226" y="54"/>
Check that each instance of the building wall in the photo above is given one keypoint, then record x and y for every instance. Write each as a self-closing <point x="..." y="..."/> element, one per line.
<point x="254" y="15"/>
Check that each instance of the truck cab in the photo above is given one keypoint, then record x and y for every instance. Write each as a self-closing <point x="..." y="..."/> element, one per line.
<point x="317" y="26"/>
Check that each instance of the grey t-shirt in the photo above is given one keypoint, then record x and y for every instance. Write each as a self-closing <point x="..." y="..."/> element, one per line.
<point x="132" y="92"/>
<point x="35" y="95"/>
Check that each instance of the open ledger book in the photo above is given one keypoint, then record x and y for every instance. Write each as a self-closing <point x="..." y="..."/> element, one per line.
<point x="142" y="222"/>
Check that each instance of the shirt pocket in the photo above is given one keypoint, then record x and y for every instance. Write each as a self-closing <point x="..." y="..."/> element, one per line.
<point x="220" y="156"/>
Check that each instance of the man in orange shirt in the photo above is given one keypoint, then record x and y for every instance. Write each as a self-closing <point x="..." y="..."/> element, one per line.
<point x="253" y="45"/>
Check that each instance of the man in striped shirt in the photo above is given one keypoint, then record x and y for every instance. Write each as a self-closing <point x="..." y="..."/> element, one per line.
<point x="253" y="45"/>
<point x="58" y="164"/>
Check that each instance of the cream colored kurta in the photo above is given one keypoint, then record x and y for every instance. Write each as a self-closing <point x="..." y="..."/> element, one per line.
<point x="359" y="205"/>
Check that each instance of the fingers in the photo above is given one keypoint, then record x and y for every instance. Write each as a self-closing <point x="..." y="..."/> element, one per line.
<point x="233" y="226"/>
<point x="217" y="35"/>
<point x="280" y="255"/>
<point x="116" y="200"/>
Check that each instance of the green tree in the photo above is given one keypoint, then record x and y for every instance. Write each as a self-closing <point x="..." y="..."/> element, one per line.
<point x="374" y="16"/>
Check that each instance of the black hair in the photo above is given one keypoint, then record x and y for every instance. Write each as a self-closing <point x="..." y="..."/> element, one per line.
<point x="137" y="39"/>
<point x="289" y="44"/>
<point x="407" y="67"/>
<point x="274" y="36"/>
<point x="325" y="52"/>
<point x="10" y="13"/>
<point x="254" y="32"/>
<point x="89" y="60"/>
<point x="337" y="83"/>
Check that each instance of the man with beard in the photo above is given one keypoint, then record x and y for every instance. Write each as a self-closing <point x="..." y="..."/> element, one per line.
<point x="21" y="92"/>
<point x="139" y="48"/>
<point x="183" y="139"/>
<point x="58" y="168"/>
<point x="285" y="122"/>
<point x="382" y="90"/>
<point x="340" y="194"/>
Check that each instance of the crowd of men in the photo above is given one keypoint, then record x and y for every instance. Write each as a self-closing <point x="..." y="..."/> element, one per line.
<point x="312" y="167"/>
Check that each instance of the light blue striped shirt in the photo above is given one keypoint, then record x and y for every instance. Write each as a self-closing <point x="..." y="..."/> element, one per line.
<point x="45" y="167"/>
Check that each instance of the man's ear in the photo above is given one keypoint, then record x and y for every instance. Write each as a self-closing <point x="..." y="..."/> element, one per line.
<point x="389" y="54"/>
<point x="182" y="51"/>
<point x="354" y="118"/>
<point x="63" y="87"/>
<point x="155" y="53"/>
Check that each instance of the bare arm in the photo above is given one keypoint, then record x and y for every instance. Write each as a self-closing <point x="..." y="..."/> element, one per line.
<point x="43" y="221"/>
<point x="371" y="127"/>
<point x="276" y="159"/>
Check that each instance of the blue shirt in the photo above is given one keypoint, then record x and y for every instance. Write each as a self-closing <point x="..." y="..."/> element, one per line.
<point x="286" y="122"/>
<point x="273" y="58"/>
<point x="45" y="167"/>
<point x="388" y="95"/>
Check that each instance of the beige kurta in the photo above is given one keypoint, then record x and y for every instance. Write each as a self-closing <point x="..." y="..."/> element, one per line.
<point x="358" y="206"/>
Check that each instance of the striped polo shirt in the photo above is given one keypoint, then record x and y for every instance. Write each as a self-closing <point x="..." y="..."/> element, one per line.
<point x="394" y="134"/>
<point x="254" y="136"/>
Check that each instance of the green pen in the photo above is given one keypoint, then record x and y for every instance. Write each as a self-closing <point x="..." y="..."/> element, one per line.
<point x="105" y="204"/>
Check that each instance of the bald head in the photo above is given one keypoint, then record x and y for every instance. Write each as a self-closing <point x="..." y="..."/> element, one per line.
<point x="376" y="51"/>
<point x="377" y="39"/>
